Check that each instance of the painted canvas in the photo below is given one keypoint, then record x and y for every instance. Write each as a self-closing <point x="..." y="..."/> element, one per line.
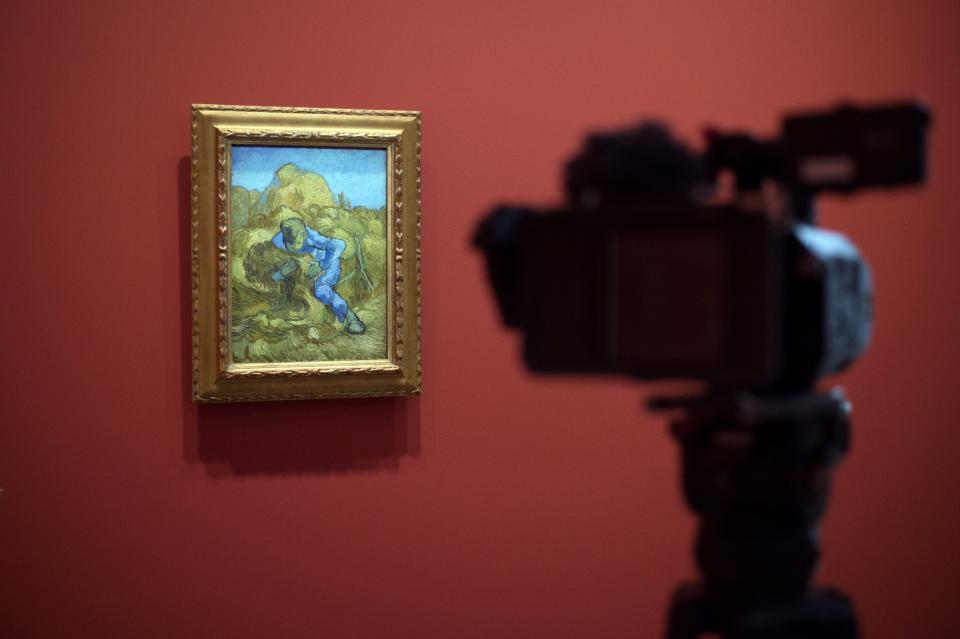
<point x="305" y="253"/>
<point x="308" y="253"/>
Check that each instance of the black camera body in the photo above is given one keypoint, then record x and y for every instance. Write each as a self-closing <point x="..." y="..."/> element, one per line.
<point x="636" y="277"/>
<point x="702" y="293"/>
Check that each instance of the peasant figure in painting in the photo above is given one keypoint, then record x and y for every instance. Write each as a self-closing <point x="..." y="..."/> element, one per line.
<point x="308" y="268"/>
<point x="324" y="271"/>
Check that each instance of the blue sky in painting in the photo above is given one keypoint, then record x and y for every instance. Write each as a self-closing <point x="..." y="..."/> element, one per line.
<point x="360" y="174"/>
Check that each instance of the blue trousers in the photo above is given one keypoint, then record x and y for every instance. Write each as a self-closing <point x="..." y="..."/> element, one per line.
<point x="323" y="286"/>
<point x="325" y="293"/>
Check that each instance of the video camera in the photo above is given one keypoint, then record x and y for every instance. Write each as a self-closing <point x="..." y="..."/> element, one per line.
<point x="650" y="271"/>
<point x="640" y="273"/>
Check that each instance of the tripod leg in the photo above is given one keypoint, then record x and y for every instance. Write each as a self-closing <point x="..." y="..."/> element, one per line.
<point x="823" y="614"/>
<point x="688" y="613"/>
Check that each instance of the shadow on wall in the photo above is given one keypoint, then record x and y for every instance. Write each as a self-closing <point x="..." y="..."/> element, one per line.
<point x="325" y="436"/>
<point x="301" y="437"/>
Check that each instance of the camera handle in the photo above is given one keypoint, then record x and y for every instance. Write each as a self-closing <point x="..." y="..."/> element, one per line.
<point x="756" y="471"/>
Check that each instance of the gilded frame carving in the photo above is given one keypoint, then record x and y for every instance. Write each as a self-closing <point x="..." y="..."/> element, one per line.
<point x="216" y="128"/>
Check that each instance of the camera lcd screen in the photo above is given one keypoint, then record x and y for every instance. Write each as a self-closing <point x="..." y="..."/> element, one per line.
<point x="668" y="301"/>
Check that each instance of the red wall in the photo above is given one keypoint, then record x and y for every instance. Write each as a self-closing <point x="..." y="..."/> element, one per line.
<point x="495" y="505"/>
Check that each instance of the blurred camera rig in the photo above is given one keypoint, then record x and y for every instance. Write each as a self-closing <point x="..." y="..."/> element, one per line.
<point x="645" y="273"/>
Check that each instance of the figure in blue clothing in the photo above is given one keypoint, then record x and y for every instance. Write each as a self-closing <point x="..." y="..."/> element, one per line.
<point x="324" y="271"/>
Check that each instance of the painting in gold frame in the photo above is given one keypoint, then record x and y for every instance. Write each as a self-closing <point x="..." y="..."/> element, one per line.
<point x="305" y="253"/>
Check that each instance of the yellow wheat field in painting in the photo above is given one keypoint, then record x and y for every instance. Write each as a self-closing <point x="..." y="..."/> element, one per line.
<point x="308" y="254"/>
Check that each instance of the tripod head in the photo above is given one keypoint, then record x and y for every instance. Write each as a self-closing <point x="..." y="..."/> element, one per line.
<point x="756" y="471"/>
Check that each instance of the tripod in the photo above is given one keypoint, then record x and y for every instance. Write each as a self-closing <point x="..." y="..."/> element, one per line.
<point x="756" y="470"/>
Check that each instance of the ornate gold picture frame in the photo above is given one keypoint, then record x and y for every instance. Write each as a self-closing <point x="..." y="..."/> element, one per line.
<point x="305" y="253"/>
